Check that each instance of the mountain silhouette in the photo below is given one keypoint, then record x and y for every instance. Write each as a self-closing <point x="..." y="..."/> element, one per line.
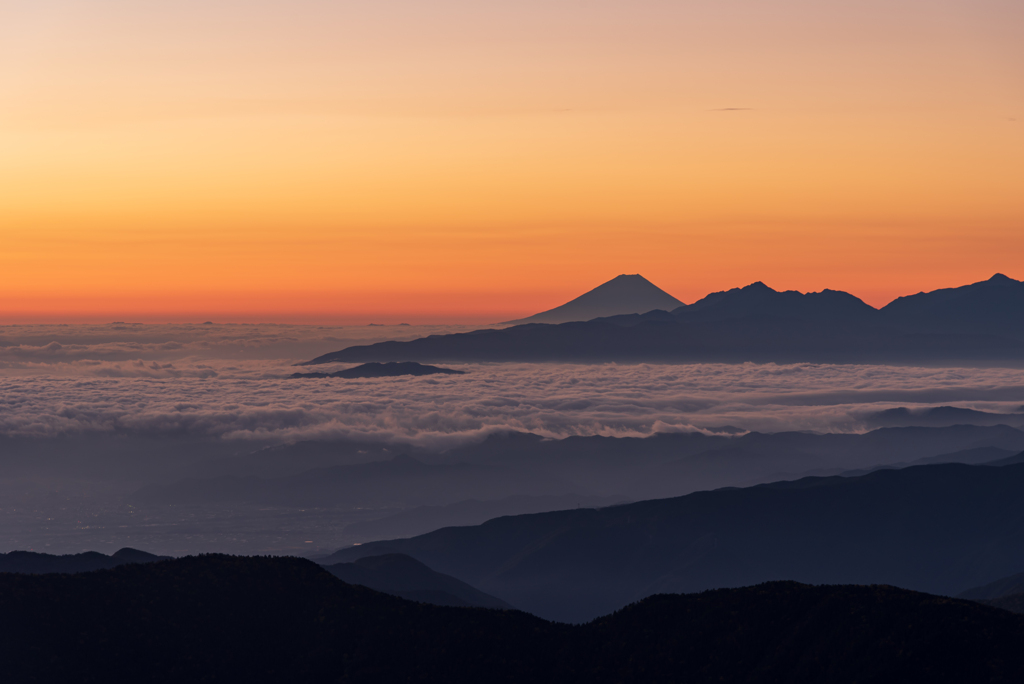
<point x="1011" y="602"/>
<point x="624" y="294"/>
<point x="1006" y="593"/>
<point x="937" y="528"/>
<point x="760" y="300"/>
<point x="282" y="620"/>
<point x="993" y="306"/>
<point x="980" y="323"/>
<point x="1009" y="460"/>
<point x="34" y="563"/>
<point x="941" y="416"/>
<point x="403" y="576"/>
<point x="1006" y="586"/>
<point x="381" y="370"/>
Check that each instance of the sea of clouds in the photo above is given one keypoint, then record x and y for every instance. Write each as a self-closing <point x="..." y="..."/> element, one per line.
<point x="231" y="382"/>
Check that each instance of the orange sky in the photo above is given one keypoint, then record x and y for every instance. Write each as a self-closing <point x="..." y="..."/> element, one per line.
<point x="450" y="160"/>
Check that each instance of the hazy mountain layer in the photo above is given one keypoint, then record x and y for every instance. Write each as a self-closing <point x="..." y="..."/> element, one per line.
<point x="565" y="471"/>
<point x="406" y="577"/>
<point x="423" y="519"/>
<point x="1013" y="603"/>
<point x="1006" y="586"/>
<point x="219" y="618"/>
<point x="938" y="528"/>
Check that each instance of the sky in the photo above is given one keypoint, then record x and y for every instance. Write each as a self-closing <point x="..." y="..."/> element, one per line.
<point x="466" y="162"/>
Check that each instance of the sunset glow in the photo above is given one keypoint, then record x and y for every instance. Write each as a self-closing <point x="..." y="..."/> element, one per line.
<point x="470" y="162"/>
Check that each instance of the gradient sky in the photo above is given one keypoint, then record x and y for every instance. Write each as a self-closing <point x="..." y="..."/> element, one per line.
<point x="472" y="161"/>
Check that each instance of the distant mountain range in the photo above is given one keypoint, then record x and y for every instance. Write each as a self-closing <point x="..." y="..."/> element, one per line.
<point x="979" y="323"/>
<point x="624" y="294"/>
<point x="937" y="528"/>
<point x="282" y="620"/>
<point x="590" y="471"/>
<point x="941" y="416"/>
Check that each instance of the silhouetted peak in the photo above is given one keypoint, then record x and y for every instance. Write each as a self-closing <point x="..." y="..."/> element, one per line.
<point x="623" y="294"/>
<point x="757" y="287"/>
<point x="392" y="560"/>
<point x="1000" y="279"/>
<point x="131" y="555"/>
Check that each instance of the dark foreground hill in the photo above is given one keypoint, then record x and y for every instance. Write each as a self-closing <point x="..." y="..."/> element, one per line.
<point x="406" y="577"/>
<point x="38" y="563"/>
<point x="936" y="528"/>
<point x="218" y="618"/>
<point x="979" y="323"/>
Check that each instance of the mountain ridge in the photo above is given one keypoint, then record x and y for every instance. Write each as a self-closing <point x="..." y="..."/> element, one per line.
<point x="937" y="528"/>
<point x="982" y="323"/>
<point x="283" y="620"/>
<point x="37" y="563"/>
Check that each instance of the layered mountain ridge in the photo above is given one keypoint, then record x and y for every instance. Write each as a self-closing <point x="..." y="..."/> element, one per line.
<point x="221" y="618"/>
<point x="982" y="323"/>
<point x="936" y="528"/>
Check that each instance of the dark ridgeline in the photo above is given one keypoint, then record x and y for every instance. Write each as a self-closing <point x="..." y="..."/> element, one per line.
<point x="937" y="528"/>
<point x="978" y="323"/>
<point x="393" y="574"/>
<point x="382" y="370"/>
<point x="406" y="577"/>
<point x="34" y="563"/>
<point x="219" y="618"/>
<point x="993" y="306"/>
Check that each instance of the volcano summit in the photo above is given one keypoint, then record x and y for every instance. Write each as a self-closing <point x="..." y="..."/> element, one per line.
<point x="624" y="294"/>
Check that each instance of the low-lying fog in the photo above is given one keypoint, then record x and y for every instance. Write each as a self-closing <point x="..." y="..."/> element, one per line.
<point x="91" y="414"/>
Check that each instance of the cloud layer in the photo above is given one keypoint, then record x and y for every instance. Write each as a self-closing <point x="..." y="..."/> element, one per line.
<point x="194" y="380"/>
